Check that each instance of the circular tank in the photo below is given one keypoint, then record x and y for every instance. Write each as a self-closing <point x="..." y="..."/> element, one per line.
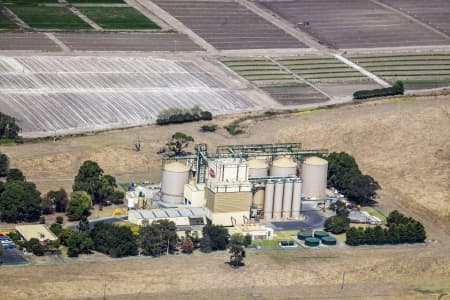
<point x="303" y="235"/>
<point x="258" y="197"/>
<point x="320" y="234"/>
<point x="268" y="200"/>
<point x="257" y="168"/>
<point x="283" y="167"/>
<point x="312" y="242"/>
<point x="174" y="176"/>
<point x="314" y="176"/>
<point x="329" y="240"/>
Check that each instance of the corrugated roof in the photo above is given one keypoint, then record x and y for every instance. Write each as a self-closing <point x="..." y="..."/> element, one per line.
<point x="314" y="160"/>
<point x="172" y="213"/>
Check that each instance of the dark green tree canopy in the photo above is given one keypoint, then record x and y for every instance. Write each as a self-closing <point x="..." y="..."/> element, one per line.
<point x="20" y="201"/>
<point x="179" y="142"/>
<point x="363" y="189"/>
<point x="89" y="179"/>
<point x="114" y="240"/>
<point x="158" y="238"/>
<point x="14" y="175"/>
<point x="337" y="224"/>
<point x="79" y="205"/>
<point x="4" y="164"/>
<point x="219" y="236"/>
<point x="8" y="127"/>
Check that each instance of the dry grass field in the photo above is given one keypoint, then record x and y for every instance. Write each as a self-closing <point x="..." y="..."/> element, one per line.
<point x="404" y="143"/>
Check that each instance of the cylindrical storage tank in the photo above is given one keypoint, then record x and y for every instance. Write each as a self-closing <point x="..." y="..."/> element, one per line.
<point x="314" y="176"/>
<point x="287" y="199"/>
<point x="174" y="176"/>
<point x="304" y="235"/>
<point x="258" y="198"/>
<point x="283" y="167"/>
<point x="131" y="204"/>
<point x="257" y="168"/>
<point x="278" y="200"/>
<point x="312" y="242"/>
<point x="296" y="201"/>
<point x="268" y="200"/>
<point x="329" y="240"/>
<point x="320" y="234"/>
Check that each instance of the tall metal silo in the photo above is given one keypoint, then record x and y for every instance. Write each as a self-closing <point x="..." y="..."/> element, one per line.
<point x="174" y="176"/>
<point x="283" y="167"/>
<point x="296" y="201"/>
<point x="268" y="200"/>
<point x="287" y="199"/>
<point x="314" y="175"/>
<point x="258" y="196"/>
<point x="257" y="168"/>
<point x="278" y="200"/>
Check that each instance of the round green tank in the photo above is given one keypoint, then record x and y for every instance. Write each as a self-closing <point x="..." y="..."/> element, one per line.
<point x="312" y="242"/>
<point x="303" y="235"/>
<point x="329" y="240"/>
<point x="320" y="234"/>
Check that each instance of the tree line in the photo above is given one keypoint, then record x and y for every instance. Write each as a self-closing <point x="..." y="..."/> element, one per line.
<point x="400" y="229"/>
<point x="8" y="127"/>
<point x="180" y="115"/>
<point x="396" y="89"/>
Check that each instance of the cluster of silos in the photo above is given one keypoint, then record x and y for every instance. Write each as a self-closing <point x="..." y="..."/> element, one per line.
<point x="282" y="199"/>
<point x="174" y="176"/>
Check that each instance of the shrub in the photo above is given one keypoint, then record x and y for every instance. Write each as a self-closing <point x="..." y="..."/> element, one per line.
<point x="117" y="197"/>
<point x="59" y="219"/>
<point x="337" y="224"/>
<point x="178" y="115"/>
<point x="42" y="220"/>
<point x="396" y="89"/>
<point x="209" y="128"/>
<point x="56" y="229"/>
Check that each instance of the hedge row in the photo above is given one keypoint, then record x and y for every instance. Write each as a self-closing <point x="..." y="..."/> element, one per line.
<point x="176" y="115"/>
<point x="396" y="89"/>
<point x="401" y="230"/>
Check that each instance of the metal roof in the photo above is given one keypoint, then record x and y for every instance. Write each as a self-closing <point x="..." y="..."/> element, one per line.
<point x="40" y="232"/>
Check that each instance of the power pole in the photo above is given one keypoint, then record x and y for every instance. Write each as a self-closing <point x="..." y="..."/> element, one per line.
<point x="343" y="281"/>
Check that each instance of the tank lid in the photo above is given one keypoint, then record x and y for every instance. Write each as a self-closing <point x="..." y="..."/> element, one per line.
<point x="257" y="164"/>
<point x="314" y="160"/>
<point x="176" y="167"/>
<point x="284" y="162"/>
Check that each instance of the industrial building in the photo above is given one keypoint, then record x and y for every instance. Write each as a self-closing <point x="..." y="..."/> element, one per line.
<point x="243" y="184"/>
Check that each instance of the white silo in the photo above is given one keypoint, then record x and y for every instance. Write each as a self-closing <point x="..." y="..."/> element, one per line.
<point x="257" y="168"/>
<point x="258" y="196"/>
<point x="174" y="176"/>
<point x="268" y="200"/>
<point x="314" y="175"/>
<point x="296" y="204"/>
<point x="283" y="167"/>
<point x="287" y="199"/>
<point x="278" y="200"/>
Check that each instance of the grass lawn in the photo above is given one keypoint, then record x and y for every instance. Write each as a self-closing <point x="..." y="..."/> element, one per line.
<point x="118" y="18"/>
<point x="6" y="23"/>
<point x="42" y="17"/>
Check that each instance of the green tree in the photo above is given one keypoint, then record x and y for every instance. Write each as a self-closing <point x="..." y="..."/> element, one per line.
<point x="8" y="127"/>
<point x="420" y="233"/>
<point x="158" y="238"/>
<point x="59" y="219"/>
<point x="179" y="142"/>
<point x="187" y="246"/>
<point x="369" y="236"/>
<point x="79" y="205"/>
<point x="79" y="242"/>
<point x="337" y="224"/>
<point x="236" y="249"/>
<point x="219" y="236"/>
<point x="205" y="244"/>
<point x="393" y="234"/>
<point x="14" y="175"/>
<point x="56" y="229"/>
<point x="362" y="189"/>
<point x="247" y="240"/>
<point x="379" y="235"/>
<point x="114" y="240"/>
<point x="89" y="179"/>
<point x="4" y="165"/>
<point x="35" y="246"/>
<point x="20" y="201"/>
<point x="351" y="237"/>
<point x="342" y="168"/>
<point x="411" y="231"/>
<point x="55" y="201"/>
<point x="83" y="225"/>
<point x="403" y="232"/>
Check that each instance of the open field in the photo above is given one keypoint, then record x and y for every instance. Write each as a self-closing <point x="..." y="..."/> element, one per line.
<point x="228" y="25"/>
<point x="118" y="18"/>
<point x="416" y="70"/>
<point x="271" y="78"/>
<point x="433" y="12"/>
<point x="26" y="41"/>
<point x="354" y="24"/>
<point x="44" y="17"/>
<point x="49" y="95"/>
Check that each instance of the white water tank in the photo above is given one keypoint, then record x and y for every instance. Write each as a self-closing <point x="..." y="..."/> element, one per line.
<point x="257" y="168"/>
<point x="314" y="175"/>
<point x="278" y="200"/>
<point x="283" y="167"/>
<point x="268" y="200"/>
<point x="287" y="199"/>
<point x="174" y="176"/>
<point x="296" y="204"/>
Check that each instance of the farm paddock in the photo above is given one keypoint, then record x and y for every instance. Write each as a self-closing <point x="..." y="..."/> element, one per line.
<point x="353" y="24"/>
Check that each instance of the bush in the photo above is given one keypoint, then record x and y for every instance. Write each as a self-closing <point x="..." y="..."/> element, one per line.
<point x="337" y="224"/>
<point x="209" y="128"/>
<point x="218" y="236"/>
<point x="178" y="115"/>
<point x="117" y="197"/>
<point x="8" y="127"/>
<point x="35" y="246"/>
<point x="396" y="89"/>
<point x="56" y="229"/>
<point x="42" y="220"/>
<point x="59" y="219"/>
<point x="72" y="252"/>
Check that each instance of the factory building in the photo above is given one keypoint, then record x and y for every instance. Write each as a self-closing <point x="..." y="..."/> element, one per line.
<point x="241" y="185"/>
